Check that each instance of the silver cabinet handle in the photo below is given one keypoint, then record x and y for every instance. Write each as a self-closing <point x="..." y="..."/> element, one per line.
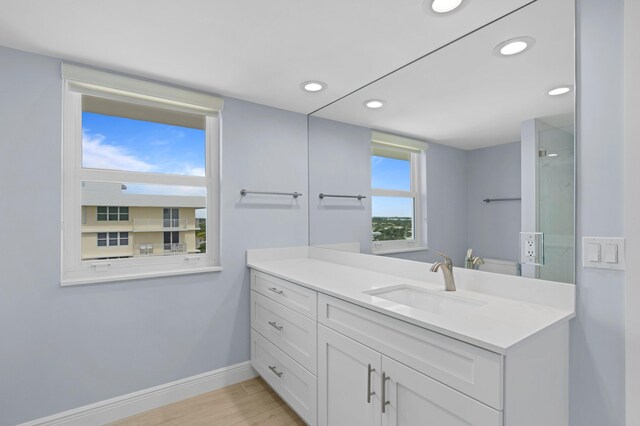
<point x="275" y="290"/>
<point x="369" y="393"/>
<point x="275" y="325"/>
<point x="273" y="368"/>
<point x="384" y="392"/>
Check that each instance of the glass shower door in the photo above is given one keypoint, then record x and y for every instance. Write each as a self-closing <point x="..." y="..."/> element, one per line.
<point x="556" y="193"/>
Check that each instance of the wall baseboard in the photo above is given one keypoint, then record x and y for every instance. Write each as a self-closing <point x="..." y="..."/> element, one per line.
<point x="134" y="403"/>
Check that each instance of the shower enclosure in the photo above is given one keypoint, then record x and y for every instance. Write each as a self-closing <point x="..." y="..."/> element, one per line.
<point x="549" y="196"/>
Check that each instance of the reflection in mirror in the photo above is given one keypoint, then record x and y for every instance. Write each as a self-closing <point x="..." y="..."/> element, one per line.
<point x="471" y="154"/>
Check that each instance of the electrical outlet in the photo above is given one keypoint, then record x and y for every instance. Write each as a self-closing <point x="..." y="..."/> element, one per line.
<point x="532" y="248"/>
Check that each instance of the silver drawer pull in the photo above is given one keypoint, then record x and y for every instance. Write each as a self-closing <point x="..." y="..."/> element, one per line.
<point x="276" y="291"/>
<point x="273" y="368"/>
<point x="369" y="393"/>
<point x="384" y="392"/>
<point x="275" y="325"/>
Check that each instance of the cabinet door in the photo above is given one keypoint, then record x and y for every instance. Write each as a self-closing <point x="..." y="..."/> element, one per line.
<point x="347" y="373"/>
<point x="416" y="399"/>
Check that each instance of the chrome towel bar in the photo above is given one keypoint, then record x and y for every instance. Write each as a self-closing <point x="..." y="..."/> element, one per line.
<point x="359" y="197"/>
<point x="244" y="192"/>
<point x="489" y="200"/>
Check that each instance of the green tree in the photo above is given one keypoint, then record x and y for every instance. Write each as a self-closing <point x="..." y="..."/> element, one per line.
<point x="201" y="235"/>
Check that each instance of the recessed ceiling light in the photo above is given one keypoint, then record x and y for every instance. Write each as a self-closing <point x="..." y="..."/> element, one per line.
<point x="560" y="90"/>
<point x="374" y="103"/>
<point x="444" y="6"/>
<point x="313" y="86"/>
<point x="514" y="46"/>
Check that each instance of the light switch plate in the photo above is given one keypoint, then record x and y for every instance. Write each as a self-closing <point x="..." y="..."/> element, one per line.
<point x="611" y="253"/>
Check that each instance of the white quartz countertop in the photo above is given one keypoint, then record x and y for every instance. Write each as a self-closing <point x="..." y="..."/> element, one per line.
<point x="496" y="323"/>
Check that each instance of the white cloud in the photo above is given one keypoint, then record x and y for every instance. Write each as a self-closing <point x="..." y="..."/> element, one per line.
<point x="377" y="161"/>
<point x="189" y="170"/>
<point x="156" y="189"/>
<point x="98" y="155"/>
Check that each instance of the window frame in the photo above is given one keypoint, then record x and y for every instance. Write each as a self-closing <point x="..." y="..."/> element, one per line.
<point x="416" y="150"/>
<point x="79" y="81"/>
<point x="119" y="213"/>
<point x="108" y="238"/>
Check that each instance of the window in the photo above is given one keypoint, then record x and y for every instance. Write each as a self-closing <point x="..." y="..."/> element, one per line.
<point x="172" y="241"/>
<point x="113" y="239"/>
<point x="141" y="165"/>
<point x="112" y="213"/>
<point x="171" y="218"/>
<point x="396" y="204"/>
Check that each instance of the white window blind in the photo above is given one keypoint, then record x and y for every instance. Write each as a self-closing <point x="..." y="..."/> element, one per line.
<point x="115" y="86"/>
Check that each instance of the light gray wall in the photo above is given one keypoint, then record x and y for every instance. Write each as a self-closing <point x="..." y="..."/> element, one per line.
<point x="339" y="163"/>
<point x="61" y="348"/>
<point x="597" y="334"/>
<point x="494" y="228"/>
<point x="632" y="205"/>
<point x="457" y="219"/>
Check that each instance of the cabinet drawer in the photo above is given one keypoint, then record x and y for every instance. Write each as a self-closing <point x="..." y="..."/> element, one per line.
<point x="291" y="295"/>
<point x="290" y="380"/>
<point x="290" y="331"/>
<point x="466" y="368"/>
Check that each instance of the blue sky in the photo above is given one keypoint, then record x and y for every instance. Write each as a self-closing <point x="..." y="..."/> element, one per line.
<point x="134" y="145"/>
<point x="118" y="143"/>
<point x="389" y="173"/>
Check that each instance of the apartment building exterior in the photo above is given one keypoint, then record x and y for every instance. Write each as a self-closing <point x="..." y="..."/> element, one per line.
<point x="118" y="223"/>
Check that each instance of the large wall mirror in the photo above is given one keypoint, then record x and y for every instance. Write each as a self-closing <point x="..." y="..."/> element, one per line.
<point x="468" y="151"/>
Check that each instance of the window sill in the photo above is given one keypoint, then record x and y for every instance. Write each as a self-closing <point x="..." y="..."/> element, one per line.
<point x="399" y="250"/>
<point x="128" y="277"/>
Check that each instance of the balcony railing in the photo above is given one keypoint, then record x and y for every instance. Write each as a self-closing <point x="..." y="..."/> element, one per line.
<point x="160" y="224"/>
<point x="160" y="249"/>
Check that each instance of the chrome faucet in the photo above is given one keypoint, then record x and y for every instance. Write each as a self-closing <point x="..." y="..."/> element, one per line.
<point x="476" y="262"/>
<point x="471" y="261"/>
<point x="447" y="270"/>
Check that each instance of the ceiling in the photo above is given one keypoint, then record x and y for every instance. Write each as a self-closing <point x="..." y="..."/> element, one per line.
<point x="469" y="97"/>
<point x="254" y="50"/>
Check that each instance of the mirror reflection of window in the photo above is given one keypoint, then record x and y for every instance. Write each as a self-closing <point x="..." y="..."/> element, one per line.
<point x="395" y="192"/>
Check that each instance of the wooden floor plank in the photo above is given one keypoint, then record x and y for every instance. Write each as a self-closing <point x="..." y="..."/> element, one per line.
<point x="250" y="403"/>
<point x="252" y="386"/>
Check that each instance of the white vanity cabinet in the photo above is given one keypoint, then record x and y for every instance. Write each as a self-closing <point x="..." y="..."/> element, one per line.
<point x="349" y="381"/>
<point x="284" y="341"/>
<point x="358" y="383"/>
<point x="341" y="364"/>
<point x="473" y="371"/>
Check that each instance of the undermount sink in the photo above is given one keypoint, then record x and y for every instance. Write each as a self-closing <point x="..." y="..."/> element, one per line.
<point x="426" y="300"/>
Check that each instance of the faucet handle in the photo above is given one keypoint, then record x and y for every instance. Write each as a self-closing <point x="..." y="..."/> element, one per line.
<point x="447" y="259"/>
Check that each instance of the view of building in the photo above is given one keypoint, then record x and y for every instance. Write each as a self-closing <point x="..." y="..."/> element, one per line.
<point x="118" y="224"/>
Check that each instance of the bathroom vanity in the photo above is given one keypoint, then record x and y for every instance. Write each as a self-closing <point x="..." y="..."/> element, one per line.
<point x="353" y="339"/>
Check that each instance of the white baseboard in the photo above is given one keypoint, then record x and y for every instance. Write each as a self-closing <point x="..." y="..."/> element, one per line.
<point x="134" y="403"/>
